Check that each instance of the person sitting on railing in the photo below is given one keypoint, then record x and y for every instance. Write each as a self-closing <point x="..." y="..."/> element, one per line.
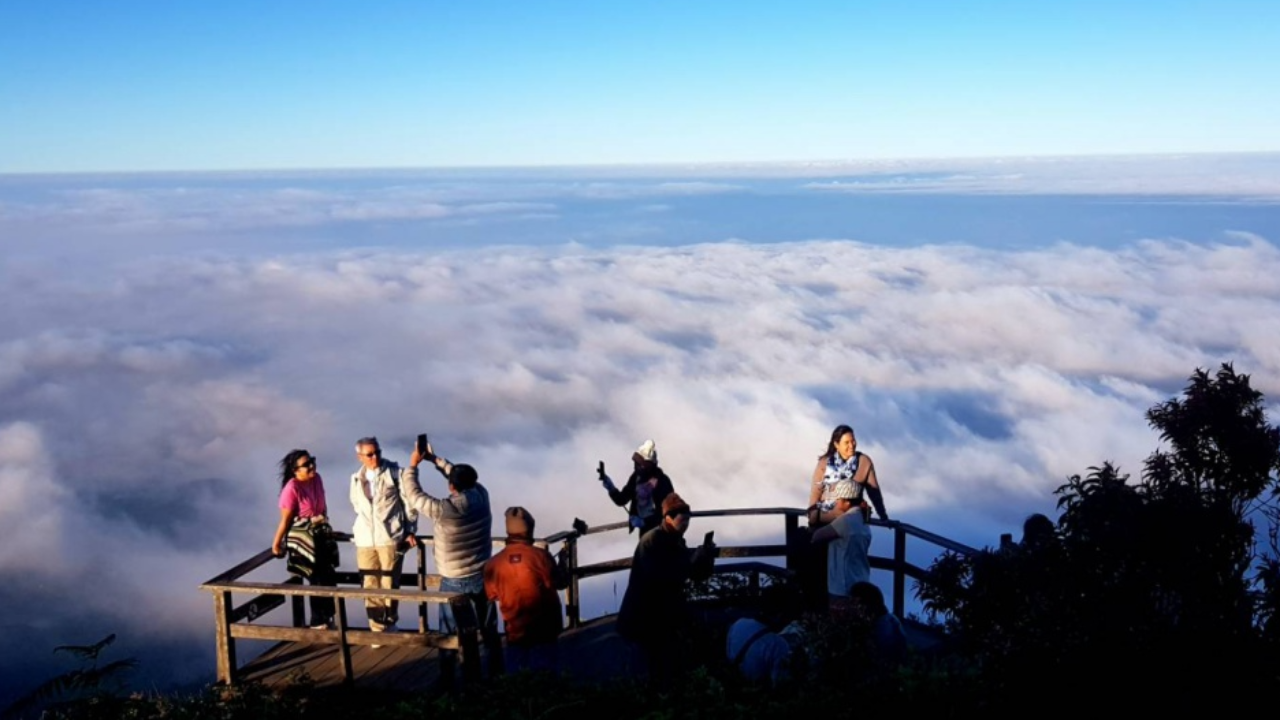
<point x="645" y="490"/>
<point x="304" y="530"/>
<point x="382" y="530"/>
<point x="848" y="558"/>
<point x="463" y="541"/>
<point x="523" y="579"/>
<point x="843" y="463"/>
<point x="654" y="614"/>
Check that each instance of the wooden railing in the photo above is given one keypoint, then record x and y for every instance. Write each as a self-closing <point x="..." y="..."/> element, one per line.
<point x="792" y="551"/>
<point x="234" y="621"/>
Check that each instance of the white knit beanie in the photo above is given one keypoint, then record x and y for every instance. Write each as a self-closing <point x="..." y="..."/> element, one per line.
<point x="648" y="451"/>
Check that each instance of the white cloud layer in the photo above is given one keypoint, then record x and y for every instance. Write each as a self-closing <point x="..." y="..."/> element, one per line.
<point x="144" y="404"/>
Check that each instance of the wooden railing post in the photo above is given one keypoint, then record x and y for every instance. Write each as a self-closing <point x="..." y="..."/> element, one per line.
<point x="344" y="648"/>
<point x="422" y="585"/>
<point x="899" y="570"/>
<point x="573" y="608"/>
<point x="299" y="604"/>
<point x="225" y="644"/>
<point x="792" y="529"/>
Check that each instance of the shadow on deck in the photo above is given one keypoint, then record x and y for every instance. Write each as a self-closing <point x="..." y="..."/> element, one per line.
<point x="591" y="652"/>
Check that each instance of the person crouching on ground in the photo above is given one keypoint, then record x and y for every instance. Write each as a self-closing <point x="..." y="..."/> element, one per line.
<point x="383" y="529"/>
<point x="654" y="614"/>
<point x="888" y="637"/>
<point x="523" y="579"/>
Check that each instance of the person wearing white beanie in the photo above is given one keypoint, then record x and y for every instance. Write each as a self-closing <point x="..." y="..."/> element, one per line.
<point x="644" y="491"/>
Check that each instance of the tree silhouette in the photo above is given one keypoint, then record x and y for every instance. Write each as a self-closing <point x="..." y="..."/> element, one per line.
<point x="1145" y="584"/>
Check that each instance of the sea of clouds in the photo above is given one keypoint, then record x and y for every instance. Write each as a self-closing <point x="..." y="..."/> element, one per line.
<point x="155" y="365"/>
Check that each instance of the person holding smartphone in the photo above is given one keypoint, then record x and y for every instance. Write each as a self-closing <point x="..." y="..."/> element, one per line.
<point x="645" y="490"/>
<point x="654" y="614"/>
<point x="462" y="524"/>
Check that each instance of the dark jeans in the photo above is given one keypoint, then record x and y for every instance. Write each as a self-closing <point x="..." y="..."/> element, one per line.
<point x="486" y="614"/>
<point x="322" y="608"/>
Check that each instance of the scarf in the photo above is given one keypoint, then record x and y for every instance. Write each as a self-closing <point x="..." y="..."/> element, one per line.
<point x="839" y="470"/>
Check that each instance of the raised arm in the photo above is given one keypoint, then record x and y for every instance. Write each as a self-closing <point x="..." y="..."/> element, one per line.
<point x="702" y="561"/>
<point x="411" y="492"/>
<point x="623" y="496"/>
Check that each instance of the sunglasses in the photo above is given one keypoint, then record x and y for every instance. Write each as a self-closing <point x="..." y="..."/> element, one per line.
<point x="308" y="464"/>
<point x="375" y="453"/>
<point x="673" y="514"/>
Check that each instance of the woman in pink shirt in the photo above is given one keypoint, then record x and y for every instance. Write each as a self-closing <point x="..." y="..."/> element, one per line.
<point x="304" y="512"/>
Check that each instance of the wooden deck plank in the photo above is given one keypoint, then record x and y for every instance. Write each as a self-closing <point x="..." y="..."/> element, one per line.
<point x="392" y="667"/>
<point x="593" y="652"/>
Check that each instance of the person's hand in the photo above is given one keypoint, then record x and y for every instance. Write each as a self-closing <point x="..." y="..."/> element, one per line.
<point x="276" y="549"/>
<point x="412" y="540"/>
<point x="415" y="457"/>
<point x="636" y="521"/>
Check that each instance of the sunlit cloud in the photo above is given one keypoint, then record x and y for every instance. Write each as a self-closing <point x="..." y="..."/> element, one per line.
<point x="154" y="393"/>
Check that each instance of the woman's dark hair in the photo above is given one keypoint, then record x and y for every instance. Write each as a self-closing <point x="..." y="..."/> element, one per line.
<point x="836" y="434"/>
<point x="289" y="464"/>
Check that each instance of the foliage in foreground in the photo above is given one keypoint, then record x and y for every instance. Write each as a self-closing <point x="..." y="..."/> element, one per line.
<point x="1143" y="589"/>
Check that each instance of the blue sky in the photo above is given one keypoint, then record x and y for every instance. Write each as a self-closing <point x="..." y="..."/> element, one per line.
<point x="235" y="85"/>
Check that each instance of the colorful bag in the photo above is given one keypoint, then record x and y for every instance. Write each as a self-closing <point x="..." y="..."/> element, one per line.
<point x="311" y="546"/>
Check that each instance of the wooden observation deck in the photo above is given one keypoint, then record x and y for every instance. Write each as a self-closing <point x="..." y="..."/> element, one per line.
<point x="423" y="659"/>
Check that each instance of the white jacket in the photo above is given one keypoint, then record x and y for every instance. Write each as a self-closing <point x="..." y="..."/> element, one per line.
<point x="384" y="520"/>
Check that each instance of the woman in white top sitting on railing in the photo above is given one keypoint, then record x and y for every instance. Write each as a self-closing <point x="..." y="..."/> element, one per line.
<point x="843" y="463"/>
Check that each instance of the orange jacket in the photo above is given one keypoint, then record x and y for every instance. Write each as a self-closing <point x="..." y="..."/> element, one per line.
<point x="523" y="579"/>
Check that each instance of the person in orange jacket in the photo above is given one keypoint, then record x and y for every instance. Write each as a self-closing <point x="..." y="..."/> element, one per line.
<point x="523" y="578"/>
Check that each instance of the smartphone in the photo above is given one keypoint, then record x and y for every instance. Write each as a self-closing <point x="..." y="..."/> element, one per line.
<point x="708" y="538"/>
<point x="600" y="470"/>
<point x="422" y="444"/>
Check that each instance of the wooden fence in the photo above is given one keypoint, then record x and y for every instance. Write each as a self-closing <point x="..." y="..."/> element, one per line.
<point x="234" y="622"/>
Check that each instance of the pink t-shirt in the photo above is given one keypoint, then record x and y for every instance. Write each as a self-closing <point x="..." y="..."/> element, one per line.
<point x="304" y="498"/>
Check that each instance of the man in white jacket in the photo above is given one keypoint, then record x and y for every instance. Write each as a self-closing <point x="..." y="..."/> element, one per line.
<point x="383" y="528"/>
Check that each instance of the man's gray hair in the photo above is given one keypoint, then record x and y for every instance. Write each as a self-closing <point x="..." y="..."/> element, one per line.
<point x="368" y="441"/>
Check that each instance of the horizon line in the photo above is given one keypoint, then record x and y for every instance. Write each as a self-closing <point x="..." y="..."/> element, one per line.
<point x="685" y="166"/>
